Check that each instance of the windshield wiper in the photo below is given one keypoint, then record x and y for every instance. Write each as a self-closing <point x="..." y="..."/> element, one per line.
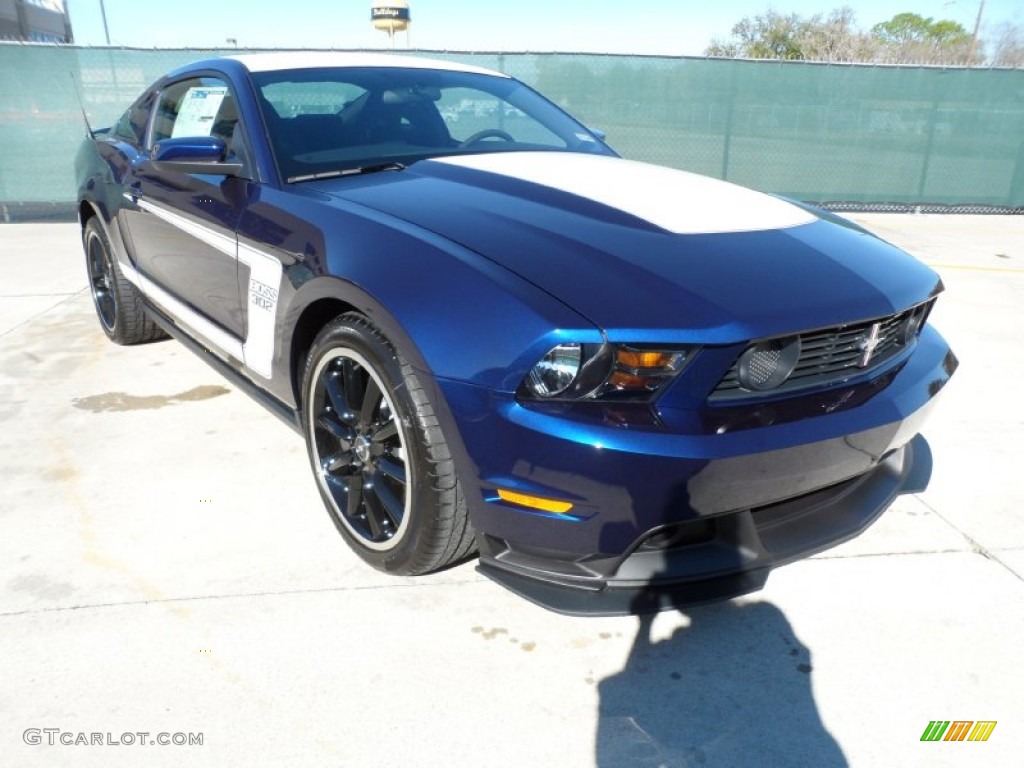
<point x="376" y="167"/>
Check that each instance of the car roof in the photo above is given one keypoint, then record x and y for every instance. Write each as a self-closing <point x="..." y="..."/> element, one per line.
<point x="270" y="62"/>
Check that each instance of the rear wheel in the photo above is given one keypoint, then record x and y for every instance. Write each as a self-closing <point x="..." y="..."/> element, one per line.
<point x="381" y="464"/>
<point x="118" y="304"/>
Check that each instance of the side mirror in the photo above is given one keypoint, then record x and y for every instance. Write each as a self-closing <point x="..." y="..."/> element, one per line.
<point x="193" y="154"/>
<point x="599" y="133"/>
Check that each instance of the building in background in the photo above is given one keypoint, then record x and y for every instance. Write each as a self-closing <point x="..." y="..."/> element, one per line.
<point x="35" y="21"/>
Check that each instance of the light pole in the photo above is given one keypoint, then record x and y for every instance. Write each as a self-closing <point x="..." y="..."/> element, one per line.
<point x="974" y="37"/>
<point x="103" y="13"/>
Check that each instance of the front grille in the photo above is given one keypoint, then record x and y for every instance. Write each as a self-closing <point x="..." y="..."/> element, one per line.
<point x="830" y="355"/>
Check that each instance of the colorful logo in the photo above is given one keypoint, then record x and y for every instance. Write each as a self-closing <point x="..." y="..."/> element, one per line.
<point x="958" y="730"/>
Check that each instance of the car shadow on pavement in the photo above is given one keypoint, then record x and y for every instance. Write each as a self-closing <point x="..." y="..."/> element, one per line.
<point x="731" y="689"/>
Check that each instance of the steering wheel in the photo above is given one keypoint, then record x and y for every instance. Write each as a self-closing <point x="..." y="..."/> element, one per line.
<point x="487" y="133"/>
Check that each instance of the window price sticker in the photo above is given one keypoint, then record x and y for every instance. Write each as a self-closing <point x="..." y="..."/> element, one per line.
<point x="198" y="109"/>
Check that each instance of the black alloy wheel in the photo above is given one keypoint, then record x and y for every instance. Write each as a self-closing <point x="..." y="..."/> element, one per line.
<point x="101" y="280"/>
<point x="119" y="305"/>
<point x="359" y="449"/>
<point x="382" y="465"/>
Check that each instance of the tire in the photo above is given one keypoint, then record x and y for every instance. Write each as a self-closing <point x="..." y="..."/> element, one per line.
<point x="381" y="463"/>
<point x="118" y="304"/>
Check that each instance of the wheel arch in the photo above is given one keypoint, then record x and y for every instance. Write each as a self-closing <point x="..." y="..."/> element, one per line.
<point x="85" y="212"/>
<point x="87" y="209"/>
<point x="321" y="300"/>
<point x="310" y="322"/>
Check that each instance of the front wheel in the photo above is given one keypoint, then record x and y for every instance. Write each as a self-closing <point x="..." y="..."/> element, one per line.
<point x="380" y="461"/>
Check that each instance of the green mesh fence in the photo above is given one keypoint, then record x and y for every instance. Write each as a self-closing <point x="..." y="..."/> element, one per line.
<point x="823" y="133"/>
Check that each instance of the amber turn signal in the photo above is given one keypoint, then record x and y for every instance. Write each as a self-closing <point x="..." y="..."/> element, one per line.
<point x="637" y="359"/>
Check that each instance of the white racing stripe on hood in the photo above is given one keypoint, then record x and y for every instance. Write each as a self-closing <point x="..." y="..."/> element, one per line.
<point x="680" y="202"/>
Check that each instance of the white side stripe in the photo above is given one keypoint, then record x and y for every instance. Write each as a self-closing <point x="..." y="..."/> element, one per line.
<point x="265" y="273"/>
<point x="222" y="243"/>
<point x="210" y="332"/>
<point x="264" y="288"/>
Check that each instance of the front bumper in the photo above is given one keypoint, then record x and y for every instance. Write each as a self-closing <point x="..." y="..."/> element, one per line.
<point x="726" y="556"/>
<point x="674" y="515"/>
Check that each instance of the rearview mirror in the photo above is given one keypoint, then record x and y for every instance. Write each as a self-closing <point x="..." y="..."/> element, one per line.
<point x="416" y="93"/>
<point x="193" y="154"/>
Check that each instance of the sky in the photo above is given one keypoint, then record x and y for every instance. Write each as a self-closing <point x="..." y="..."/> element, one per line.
<point x="665" y="27"/>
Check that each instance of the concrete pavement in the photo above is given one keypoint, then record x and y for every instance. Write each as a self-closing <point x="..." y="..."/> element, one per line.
<point x="166" y="567"/>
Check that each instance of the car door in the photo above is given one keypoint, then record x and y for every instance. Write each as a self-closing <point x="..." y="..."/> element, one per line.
<point x="182" y="225"/>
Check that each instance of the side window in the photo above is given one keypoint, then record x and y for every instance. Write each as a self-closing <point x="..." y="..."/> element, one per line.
<point x="201" y="106"/>
<point x="132" y="125"/>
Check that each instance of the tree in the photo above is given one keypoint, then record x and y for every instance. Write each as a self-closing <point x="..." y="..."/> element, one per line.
<point x="770" y="35"/>
<point x="906" y="37"/>
<point x="836" y="38"/>
<point x="1008" y="46"/>
<point x="910" y="37"/>
<point x="773" y="35"/>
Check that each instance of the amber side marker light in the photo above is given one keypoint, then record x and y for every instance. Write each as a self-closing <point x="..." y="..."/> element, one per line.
<point x="534" y="502"/>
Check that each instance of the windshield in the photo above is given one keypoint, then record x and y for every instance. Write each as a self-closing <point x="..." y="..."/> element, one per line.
<point x="332" y="119"/>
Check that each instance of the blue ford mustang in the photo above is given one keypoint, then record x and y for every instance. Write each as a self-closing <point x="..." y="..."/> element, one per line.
<point x="625" y="386"/>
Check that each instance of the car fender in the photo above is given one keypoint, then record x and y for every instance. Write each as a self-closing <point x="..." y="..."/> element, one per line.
<point x="474" y="320"/>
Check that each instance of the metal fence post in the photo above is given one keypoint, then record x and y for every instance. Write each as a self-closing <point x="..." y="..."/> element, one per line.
<point x="927" y="160"/>
<point x="727" y="143"/>
<point x="1016" y="195"/>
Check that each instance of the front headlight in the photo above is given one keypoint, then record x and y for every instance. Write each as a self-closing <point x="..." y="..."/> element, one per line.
<point x="572" y="371"/>
<point x="556" y="371"/>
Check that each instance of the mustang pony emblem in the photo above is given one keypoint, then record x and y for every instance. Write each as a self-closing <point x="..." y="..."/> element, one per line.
<point x="868" y="345"/>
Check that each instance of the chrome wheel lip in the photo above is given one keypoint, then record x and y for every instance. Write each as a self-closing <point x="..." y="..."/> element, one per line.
<point x="101" y="280"/>
<point x="360" y="444"/>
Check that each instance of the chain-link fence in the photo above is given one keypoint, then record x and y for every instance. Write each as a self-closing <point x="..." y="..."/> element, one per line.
<point x="849" y="135"/>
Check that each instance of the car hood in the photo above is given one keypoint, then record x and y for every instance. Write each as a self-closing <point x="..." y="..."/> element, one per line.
<point x="650" y="253"/>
